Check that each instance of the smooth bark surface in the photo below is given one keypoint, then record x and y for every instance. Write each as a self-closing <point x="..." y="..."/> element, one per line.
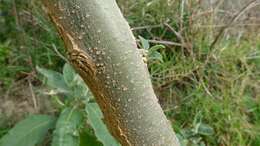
<point x="102" y="49"/>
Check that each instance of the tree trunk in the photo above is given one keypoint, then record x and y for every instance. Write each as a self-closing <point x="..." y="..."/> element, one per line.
<point x="102" y="49"/>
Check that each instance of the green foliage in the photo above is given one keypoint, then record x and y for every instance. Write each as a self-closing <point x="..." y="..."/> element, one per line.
<point x="28" y="132"/>
<point x="154" y="56"/>
<point x="145" y="43"/>
<point x="196" y="133"/>
<point x="5" y="75"/>
<point x="75" y="83"/>
<point x="76" y="108"/>
<point x="23" y="32"/>
<point x="67" y="128"/>
<point x="68" y="83"/>
<point x="87" y="139"/>
<point x="95" y="120"/>
<point x="68" y="74"/>
<point x="55" y="79"/>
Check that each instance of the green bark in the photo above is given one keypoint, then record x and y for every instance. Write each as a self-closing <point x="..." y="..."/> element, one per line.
<point x="102" y="49"/>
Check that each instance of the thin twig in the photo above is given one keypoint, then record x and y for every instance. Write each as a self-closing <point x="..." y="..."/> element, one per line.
<point x="243" y="10"/>
<point x="178" y="35"/>
<point x="33" y="95"/>
<point x="206" y="89"/>
<point x="163" y="42"/>
<point x="58" y="53"/>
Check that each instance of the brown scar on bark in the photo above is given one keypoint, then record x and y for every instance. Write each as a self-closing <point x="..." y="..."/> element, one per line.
<point x="79" y="58"/>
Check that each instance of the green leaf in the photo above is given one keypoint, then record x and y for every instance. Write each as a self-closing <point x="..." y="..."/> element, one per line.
<point x="28" y="132"/>
<point x="54" y="79"/>
<point x="183" y="141"/>
<point x="204" y="129"/>
<point x="69" y="74"/>
<point x="80" y="89"/>
<point x="187" y="133"/>
<point x="197" y="119"/>
<point x="144" y="42"/>
<point x="75" y="82"/>
<point x="86" y="139"/>
<point x="156" y="47"/>
<point x="67" y="128"/>
<point x="95" y="120"/>
<point x="155" y="56"/>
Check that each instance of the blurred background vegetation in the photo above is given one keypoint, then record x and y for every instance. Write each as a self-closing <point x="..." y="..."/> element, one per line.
<point x="209" y="91"/>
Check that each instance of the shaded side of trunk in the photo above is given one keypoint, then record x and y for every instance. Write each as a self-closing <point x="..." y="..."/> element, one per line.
<point x="102" y="49"/>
